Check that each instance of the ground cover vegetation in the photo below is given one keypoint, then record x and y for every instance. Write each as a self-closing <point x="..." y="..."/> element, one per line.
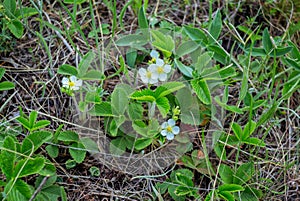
<point x="142" y="100"/>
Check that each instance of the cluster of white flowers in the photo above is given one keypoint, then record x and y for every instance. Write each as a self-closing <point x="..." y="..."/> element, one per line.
<point x="169" y="129"/>
<point x="157" y="71"/>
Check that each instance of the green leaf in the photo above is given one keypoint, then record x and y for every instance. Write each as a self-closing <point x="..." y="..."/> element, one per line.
<point x="219" y="54"/>
<point x="163" y="106"/>
<point x="280" y="51"/>
<point x="167" y="88"/>
<point x="95" y="171"/>
<point x="226" y="195"/>
<point x="131" y="56"/>
<point x="266" y="40"/>
<point x="268" y="114"/>
<point x="134" y="40"/>
<point x="89" y="144"/>
<point x="202" y="91"/>
<point x="8" y="156"/>
<point x="189" y="107"/>
<point x="52" y="150"/>
<point x="6" y="85"/>
<point x="68" y="136"/>
<point x="196" y="34"/>
<point x="10" y="7"/>
<point x="260" y="52"/>
<point x="66" y="69"/>
<point x="231" y="108"/>
<point x="103" y="109"/>
<point x="118" y="146"/>
<point x="74" y="1"/>
<point x="2" y="71"/>
<point x="183" y="190"/>
<point x="254" y="141"/>
<point x="244" y="87"/>
<point x="186" y="48"/>
<point x="85" y="63"/>
<point x="185" y="70"/>
<point x="204" y="61"/>
<point x="163" y="42"/>
<point x="230" y="188"/>
<point x="249" y="129"/>
<point x="20" y="190"/>
<point x="77" y="151"/>
<point x="244" y="173"/>
<point x="236" y="128"/>
<point x="33" y="141"/>
<point x="25" y="12"/>
<point x="24" y="122"/>
<point x="27" y="167"/>
<point x="226" y="174"/>
<point x="292" y="63"/>
<point x="142" y="143"/>
<point x="135" y="111"/>
<point x="215" y="27"/>
<point x="92" y="75"/>
<point x="32" y="118"/>
<point x="16" y="28"/>
<point x="120" y="99"/>
<point x="40" y="124"/>
<point x="49" y="169"/>
<point x="144" y="95"/>
<point x="142" y="20"/>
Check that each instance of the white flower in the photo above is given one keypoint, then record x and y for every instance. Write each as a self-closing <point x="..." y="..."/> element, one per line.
<point x="169" y="129"/>
<point x="160" y="69"/>
<point x="147" y="76"/>
<point x="71" y="83"/>
<point x="155" y="55"/>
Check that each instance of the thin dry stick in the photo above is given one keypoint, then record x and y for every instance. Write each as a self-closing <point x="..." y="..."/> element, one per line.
<point x="39" y="188"/>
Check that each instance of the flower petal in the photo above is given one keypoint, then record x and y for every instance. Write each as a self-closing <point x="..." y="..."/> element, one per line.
<point x="164" y="125"/>
<point x="160" y="62"/>
<point x="170" y="136"/>
<point x="142" y="72"/>
<point x="171" y="122"/>
<point x="153" y="81"/>
<point x="167" y="68"/>
<point x="152" y="68"/>
<point x="175" y="130"/>
<point x="164" y="132"/>
<point x="73" y="78"/>
<point x="78" y="83"/>
<point x="154" y="54"/>
<point x="162" y="77"/>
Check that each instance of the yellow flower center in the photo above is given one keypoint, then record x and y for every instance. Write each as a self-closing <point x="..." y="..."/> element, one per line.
<point x="148" y="74"/>
<point x="153" y="60"/>
<point x="169" y="129"/>
<point x="71" y="84"/>
<point x="160" y="69"/>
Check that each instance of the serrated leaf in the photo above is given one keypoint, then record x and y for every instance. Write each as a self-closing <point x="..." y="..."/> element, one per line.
<point x="117" y="146"/>
<point x="203" y="62"/>
<point x="185" y="70"/>
<point x="33" y="141"/>
<point x="66" y="69"/>
<point x="32" y="118"/>
<point x="90" y="145"/>
<point x="254" y="141"/>
<point x="103" y="109"/>
<point x="186" y="48"/>
<point x="120" y="99"/>
<point x="68" y="136"/>
<point x="27" y="167"/>
<point x="230" y="188"/>
<point x="163" y="42"/>
<point x="202" y="91"/>
<point x="163" y="106"/>
<point x="25" y="12"/>
<point x="215" y="26"/>
<point x="142" y="20"/>
<point x="249" y="129"/>
<point x="24" y="122"/>
<point x="10" y="7"/>
<point x="8" y="156"/>
<point x="92" y="75"/>
<point x="85" y="63"/>
<point x="244" y="173"/>
<point x="226" y="195"/>
<point x="142" y="143"/>
<point x="196" y="34"/>
<point x="2" y="71"/>
<point x="52" y="150"/>
<point x="20" y="190"/>
<point x="236" y="128"/>
<point x="40" y="124"/>
<point x="219" y="54"/>
<point x="226" y="174"/>
<point x="6" y="85"/>
<point x="167" y="88"/>
<point x="77" y="151"/>
<point x="135" y="111"/>
<point x="16" y="28"/>
<point x="266" y="40"/>
<point x="133" y="40"/>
